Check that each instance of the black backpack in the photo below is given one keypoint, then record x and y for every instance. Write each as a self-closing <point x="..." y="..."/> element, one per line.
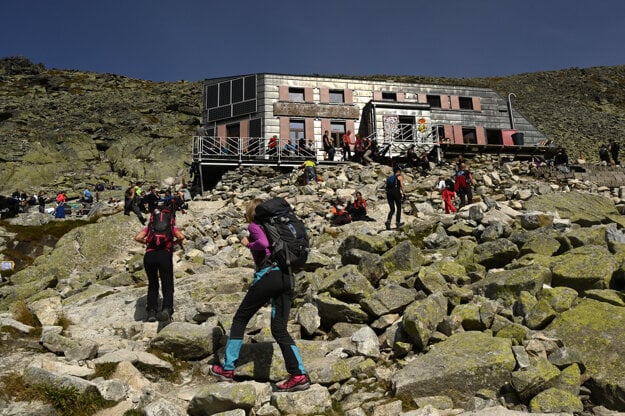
<point x="286" y="232"/>
<point x="161" y="229"/>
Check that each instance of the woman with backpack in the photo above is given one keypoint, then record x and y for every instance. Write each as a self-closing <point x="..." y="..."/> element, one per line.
<point x="160" y="236"/>
<point x="269" y="284"/>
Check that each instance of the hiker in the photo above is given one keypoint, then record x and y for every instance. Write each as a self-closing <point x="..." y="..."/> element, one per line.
<point x="87" y="197"/>
<point x="394" y="195"/>
<point x="130" y="203"/>
<point x="614" y="148"/>
<point x="358" y="209"/>
<point x="328" y="146"/>
<point x="464" y="185"/>
<point x="448" y="194"/>
<point x="160" y="236"/>
<point x="41" y="201"/>
<point x="270" y="284"/>
<point x="310" y="171"/>
<point x="340" y="216"/>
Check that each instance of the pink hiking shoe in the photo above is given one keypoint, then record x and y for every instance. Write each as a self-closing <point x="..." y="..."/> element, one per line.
<point x="296" y="382"/>
<point x="221" y="374"/>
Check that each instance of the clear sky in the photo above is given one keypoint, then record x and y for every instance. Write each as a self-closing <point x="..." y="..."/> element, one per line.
<point x="163" y="40"/>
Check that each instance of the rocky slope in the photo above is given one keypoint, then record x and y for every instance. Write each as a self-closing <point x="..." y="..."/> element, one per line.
<point x="514" y="305"/>
<point x="67" y="129"/>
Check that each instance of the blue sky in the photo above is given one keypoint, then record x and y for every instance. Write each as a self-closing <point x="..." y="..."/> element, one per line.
<point x="191" y="40"/>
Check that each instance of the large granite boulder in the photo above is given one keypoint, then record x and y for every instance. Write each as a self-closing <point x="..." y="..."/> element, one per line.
<point x="458" y="368"/>
<point x="594" y="330"/>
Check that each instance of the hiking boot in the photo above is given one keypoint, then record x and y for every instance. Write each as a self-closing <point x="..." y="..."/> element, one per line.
<point x="151" y="315"/>
<point x="399" y="224"/>
<point x="165" y="315"/>
<point x="296" y="382"/>
<point x="388" y="225"/>
<point x="221" y="374"/>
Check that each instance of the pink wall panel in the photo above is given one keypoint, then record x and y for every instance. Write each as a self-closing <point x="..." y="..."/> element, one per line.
<point x="444" y="102"/>
<point x="244" y="128"/>
<point x="422" y="98"/>
<point x="221" y="130"/>
<point x="308" y="94"/>
<point x="507" y="137"/>
<point x="455" y="102"/>
<point x="309" y="129"/>
<point x="324" y="95"/>
<point x="283" y="93"/>
<point x="481" y="135"/>
<point x="325" y="125"/>
<point x="348" y="95"/>
<point x="458" y="135"/>
<point x="377" y="95"/>
<point x="284" y="131"/>
<point x="449" y="132"/>
<point x="477" y="104"/>
<point x="349" y="125"/>
<point x="401" y="96"/>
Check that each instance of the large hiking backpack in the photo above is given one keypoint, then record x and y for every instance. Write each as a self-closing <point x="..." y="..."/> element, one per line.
<point x="161" y="229"/>
<point x="286" y="232"/>
<point x="392" y="182"/>
<point x="461" y="182"/>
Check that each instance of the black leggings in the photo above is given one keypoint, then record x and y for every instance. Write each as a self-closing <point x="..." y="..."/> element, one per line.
<point x="159" y="263"/>
<point x="394" y="200"/>
<point x="269" y="285"/>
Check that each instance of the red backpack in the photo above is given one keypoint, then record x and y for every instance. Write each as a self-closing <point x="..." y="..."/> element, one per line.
<point x="161" y="229"/>
<point x="461" y="182"/>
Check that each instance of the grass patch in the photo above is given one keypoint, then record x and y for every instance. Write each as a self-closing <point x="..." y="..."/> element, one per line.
<point x="105" y="370"/>
<point x="64" y="322"/>
<point x="67" y="401"/>
<point x="22" y="313"/>
<point x="174" y="376"/>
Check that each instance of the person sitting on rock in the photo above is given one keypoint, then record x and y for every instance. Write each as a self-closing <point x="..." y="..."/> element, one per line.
<point x="358" y="209"/>
<point x="340" y="216"/>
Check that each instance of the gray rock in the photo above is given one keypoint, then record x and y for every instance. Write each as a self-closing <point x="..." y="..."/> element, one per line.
<point x="222" y="397"/>
<point x="187" y="341"/>
<point x="313" y="401"/>
<point x="457" y="367"/>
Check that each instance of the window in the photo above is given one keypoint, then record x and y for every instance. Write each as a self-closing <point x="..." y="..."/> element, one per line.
<point x="337" y="130"/>
<point x="296" y="131"/>
<point x="337" y="96"/>
<point x="469" y="136"/>
<point x="434" y="101"/>
<point x="466" y="103"/>
<point x="296" y="94"/>
<point x="494" y="136"/>
<point x="389" y="96"/>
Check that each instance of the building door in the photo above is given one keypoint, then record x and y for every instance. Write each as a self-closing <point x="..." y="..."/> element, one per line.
<point x="233" y="132"/>
<point x="406" y="128"/>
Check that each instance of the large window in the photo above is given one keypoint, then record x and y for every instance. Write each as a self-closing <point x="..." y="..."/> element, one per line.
<point x="434" y="101"/>
<point x="296" y="94"/>
<point x="494" y="136"/>
<point x="337" y="96"/>
<point x="296" y="131"/>
<point x="466" y="103"/>
<point x="389" y="96"/>
<point x="337" y="130"/>
<point x="469" y="136"/>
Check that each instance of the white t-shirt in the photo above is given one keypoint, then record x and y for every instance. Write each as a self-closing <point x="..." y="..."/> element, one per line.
<point x="441" y="185"/>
